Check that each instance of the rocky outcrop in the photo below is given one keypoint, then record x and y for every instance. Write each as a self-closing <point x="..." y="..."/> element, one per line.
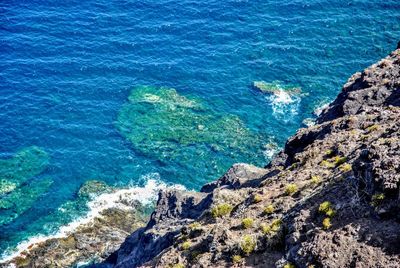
<point x="91" y="242"/>
<point x="329" y="199"/>
<point x="115" y="214"/>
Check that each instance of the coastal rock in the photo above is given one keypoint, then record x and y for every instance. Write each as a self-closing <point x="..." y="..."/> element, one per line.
<point x="329" y="199"/>
<point x="174" y="210"/>
<point x="235" y="177"/>
<point x="376" y="86"/>
<point x="94" y="239"/>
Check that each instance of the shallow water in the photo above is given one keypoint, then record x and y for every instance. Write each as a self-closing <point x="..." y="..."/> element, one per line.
<point x="67" y="69"/>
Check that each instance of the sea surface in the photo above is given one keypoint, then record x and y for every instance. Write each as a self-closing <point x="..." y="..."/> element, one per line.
<point x="159" y="91"/>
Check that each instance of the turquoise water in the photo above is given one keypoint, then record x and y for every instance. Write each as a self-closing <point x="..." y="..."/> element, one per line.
<point x="68" y="69"/>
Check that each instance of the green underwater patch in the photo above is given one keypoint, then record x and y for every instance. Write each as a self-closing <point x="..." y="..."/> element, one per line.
<point x="183" y="131"/>
<point x="17" y="191"/>
<point x="18" y="201"/>
<point x="24" y="165"/>
<point x="274" y="87"/>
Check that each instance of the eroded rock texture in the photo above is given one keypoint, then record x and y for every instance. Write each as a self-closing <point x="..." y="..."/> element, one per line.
<point x="329" y="199"/>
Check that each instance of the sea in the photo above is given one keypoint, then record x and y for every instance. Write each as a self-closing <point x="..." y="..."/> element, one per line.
<point x="151" y="94"/>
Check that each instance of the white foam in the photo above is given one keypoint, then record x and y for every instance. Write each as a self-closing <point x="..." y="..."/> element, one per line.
<point x="122" y="199"/>
<point x="320" y="107"/>
<point x="271" y="149"/>
<point x="284" y="105"/>
<point x="309" y="122"/>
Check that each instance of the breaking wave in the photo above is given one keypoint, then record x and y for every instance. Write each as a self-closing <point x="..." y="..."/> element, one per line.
<point x="123" y="198"/>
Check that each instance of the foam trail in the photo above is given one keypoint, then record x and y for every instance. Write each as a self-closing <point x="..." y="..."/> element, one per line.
<point x="121" y="199"/>
<point x="320" y="107"/>
<point x="284" y="105"/>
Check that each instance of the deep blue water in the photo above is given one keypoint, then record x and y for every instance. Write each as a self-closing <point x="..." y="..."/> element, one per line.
<point x="67" y="68"/>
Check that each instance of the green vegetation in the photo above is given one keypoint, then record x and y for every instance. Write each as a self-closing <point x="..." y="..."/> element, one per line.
<point x="346" y="167"/>
<point x="293" y="166"/>
<point x="291" y="189"/>
<point x="330" y="212"/>
<point x="257" y="198"/>
<point x="194" y="226"/>
<point x="334" y="161"/>
<point x="329" y="152"/>
<point x="289" y="265"/>
<point x="377" y="199"/>
<point x="247" y="223"/>
<point x="248" y="244"/>
<point x="372" y="128"/>
<point x="327" y="164"/>
<point x="186" y="245"/>
<point x="324" y="206"/>
<point x="265" y="229"/>
<point x="195" y="255"/>
<point x="326" y="223"/>
<point x="221" y="210"/>
<point x="276" y="225"/>
<point x="364" y="137"/>
<point x="315" y="179"/>
<point x="269" y="209"/>
<point x="338" y="160"/>
<point x="237" y="259"/>
<point x="272" y="228"/>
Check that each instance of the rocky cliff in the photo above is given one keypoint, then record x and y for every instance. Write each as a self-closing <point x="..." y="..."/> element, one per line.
<point x="329" y="199"/>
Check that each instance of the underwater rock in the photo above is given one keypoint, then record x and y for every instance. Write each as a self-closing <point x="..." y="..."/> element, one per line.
<point x="274" y="87"/>
<point x="24" y="165"/>
<point x="179" y="130"/>
<point x="18" y="188"/>
<point x="21" y="199"/>
<point x="93" y="187"/>
<point x="7" y="186"/>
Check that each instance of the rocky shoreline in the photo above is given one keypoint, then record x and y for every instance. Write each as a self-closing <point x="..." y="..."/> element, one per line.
<point x="330" y="198"/>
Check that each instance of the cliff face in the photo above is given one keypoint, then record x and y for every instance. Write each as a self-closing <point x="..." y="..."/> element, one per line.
<point x="329" y="199"/>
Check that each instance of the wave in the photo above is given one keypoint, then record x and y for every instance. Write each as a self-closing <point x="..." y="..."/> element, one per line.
<point x="320" y="107"/>
<point x="123" y="198"/>
<point x="270" y="150"/>
<point x="284" y="105"/>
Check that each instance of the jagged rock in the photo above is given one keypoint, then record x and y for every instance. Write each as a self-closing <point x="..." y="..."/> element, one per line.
<point x="174" y="210"/>
<point x="236" y="177"/>
<point x="378" y="85"/>
<point x="332" y="195"/>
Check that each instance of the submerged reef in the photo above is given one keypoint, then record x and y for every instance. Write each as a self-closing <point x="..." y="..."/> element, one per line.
<point x="183" y="131"/>
<point x="19" y="188"/>
<point x="18" y="201"/>
<point x="24" y="165"/>
<point x="275" y="87"/>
